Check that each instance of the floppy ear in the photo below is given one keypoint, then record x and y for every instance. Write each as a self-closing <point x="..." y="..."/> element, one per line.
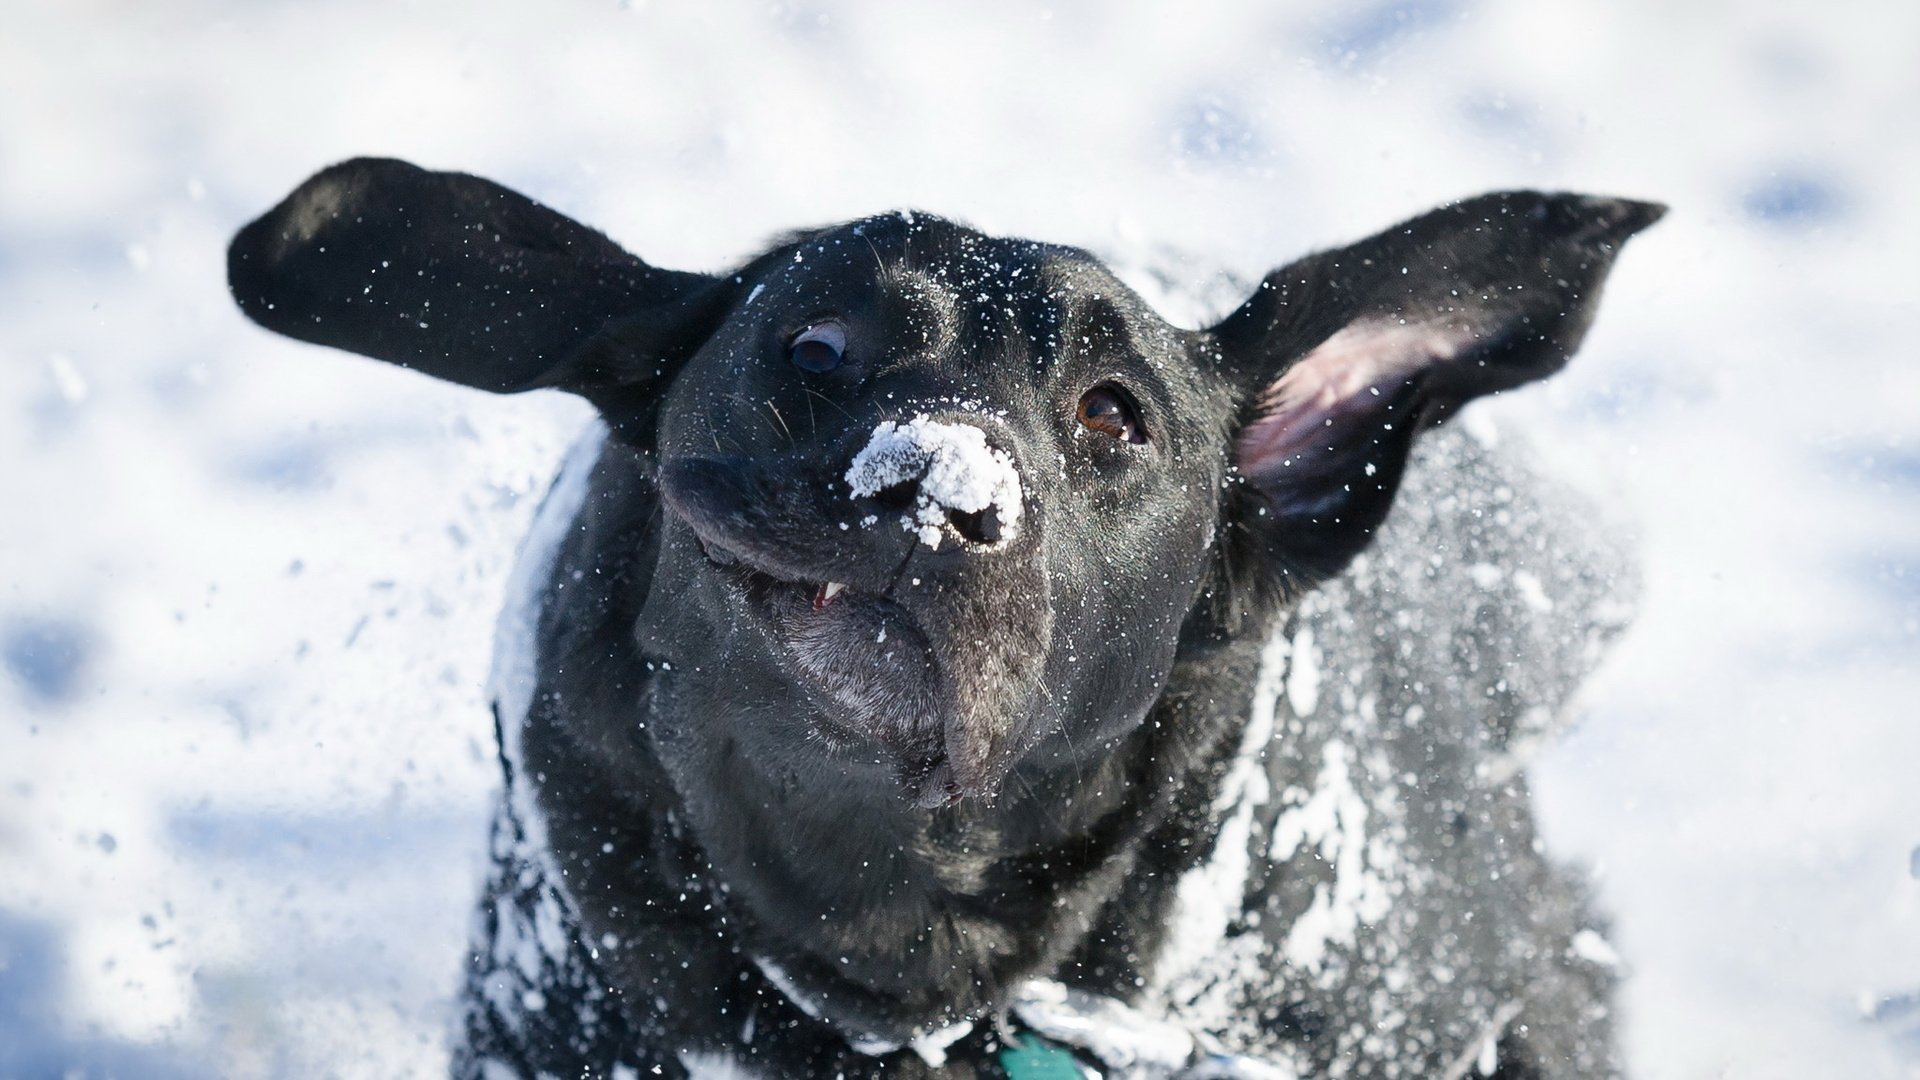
<point x="1343" y="356"/>
<point x="466" y="281"/>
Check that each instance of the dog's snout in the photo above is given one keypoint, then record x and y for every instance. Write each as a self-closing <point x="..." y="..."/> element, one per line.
<point x="976" y="527"/>
<point x="897" y="498"/>
<point x="924" y="514"/>
<point x="973" y="527"/>
<point x="944" y="478"/>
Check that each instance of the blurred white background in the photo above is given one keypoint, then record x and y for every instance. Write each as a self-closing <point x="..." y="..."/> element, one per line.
<point x="246" y="586"/>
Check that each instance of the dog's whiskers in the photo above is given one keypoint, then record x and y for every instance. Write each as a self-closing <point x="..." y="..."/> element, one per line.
<point x="878" y="262"/>
<point x="1039" y="803"/>
<point x="775" y="410"/>
<point x="812" y="393"/>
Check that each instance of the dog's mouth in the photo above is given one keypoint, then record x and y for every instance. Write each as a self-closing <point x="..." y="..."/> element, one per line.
<point x="761" y="581"/>
<point x="929" y="658"/>
<point x="862" y="656"/>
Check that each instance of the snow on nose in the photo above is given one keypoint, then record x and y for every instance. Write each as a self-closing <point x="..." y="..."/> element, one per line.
<point x="959" y="476"/>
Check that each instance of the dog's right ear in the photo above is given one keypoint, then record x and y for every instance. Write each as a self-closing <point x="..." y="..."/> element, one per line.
<point x="468" y="281"/>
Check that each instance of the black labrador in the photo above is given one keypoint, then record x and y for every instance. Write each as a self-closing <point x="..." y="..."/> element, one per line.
<point x="915" y="673"/>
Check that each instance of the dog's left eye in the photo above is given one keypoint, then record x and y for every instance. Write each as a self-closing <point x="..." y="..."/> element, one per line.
<point x="819" y="347"/>
<point x="1108" y="410"/>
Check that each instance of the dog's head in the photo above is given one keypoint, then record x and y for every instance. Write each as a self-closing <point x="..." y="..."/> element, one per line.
<point x="947" y="500"/>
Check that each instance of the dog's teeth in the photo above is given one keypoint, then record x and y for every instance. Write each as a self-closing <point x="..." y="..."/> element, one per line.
<point x="824" y="594"/>
<point x="832" y="589"/>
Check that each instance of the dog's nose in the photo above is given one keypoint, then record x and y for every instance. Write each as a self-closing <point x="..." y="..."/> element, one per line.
<point x="943" y="478"/>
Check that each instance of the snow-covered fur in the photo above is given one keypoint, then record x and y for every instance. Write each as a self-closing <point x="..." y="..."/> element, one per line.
<point x="1371" y="900"/>
<point x="935" y="649"/>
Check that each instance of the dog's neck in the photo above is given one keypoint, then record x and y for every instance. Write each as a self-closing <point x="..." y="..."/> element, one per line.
<point x="884" y="920"/>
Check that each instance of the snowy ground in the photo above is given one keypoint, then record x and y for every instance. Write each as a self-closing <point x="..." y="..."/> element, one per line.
<point x="246" y="586"/>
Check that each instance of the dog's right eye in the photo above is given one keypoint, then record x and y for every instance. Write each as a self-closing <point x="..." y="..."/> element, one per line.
<point x="819" y="347"/>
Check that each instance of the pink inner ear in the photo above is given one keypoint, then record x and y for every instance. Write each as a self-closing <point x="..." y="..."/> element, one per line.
<point x="1351" y="373"/>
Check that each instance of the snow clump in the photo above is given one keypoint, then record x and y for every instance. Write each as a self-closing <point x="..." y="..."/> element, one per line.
<point x="957" y="471"/>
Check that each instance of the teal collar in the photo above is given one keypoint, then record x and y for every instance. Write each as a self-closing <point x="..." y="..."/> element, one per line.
<point x="1029" y="1057"/>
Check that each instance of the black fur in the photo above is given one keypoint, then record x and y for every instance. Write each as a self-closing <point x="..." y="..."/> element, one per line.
<point x="754" y="819"/>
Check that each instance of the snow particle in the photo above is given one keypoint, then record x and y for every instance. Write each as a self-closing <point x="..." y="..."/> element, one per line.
<point x="1588" y="945"/>
<point x="1303" y="675"/>
<point x="67" y="378"/>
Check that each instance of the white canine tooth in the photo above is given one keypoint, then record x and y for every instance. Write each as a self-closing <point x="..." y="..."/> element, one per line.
<point x="833" y="589"/>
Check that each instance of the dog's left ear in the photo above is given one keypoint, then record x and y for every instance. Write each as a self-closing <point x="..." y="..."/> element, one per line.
<point x="465" y="280"/>
<point x="1343" y="356"/>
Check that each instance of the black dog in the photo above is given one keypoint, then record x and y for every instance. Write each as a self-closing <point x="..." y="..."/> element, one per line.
<point x="912" y="676"/>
